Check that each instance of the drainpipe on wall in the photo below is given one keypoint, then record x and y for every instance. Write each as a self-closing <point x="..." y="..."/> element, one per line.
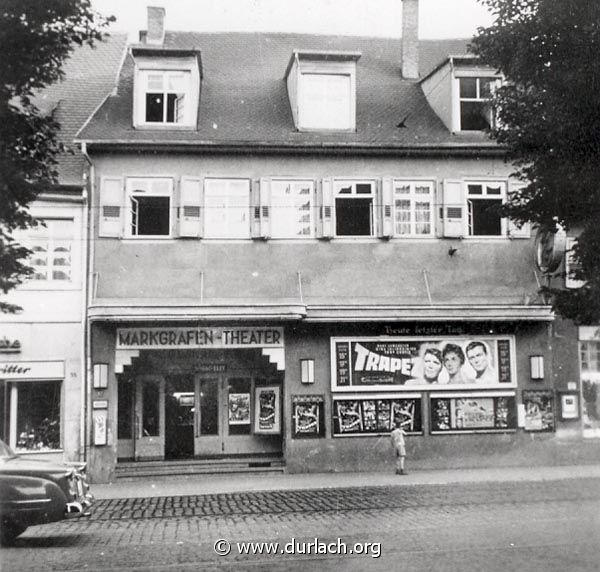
<point x="86" y="349"/>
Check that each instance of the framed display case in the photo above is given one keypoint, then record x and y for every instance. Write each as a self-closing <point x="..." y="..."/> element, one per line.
<point x="538" y="410"/>
<point x="308" y="416"/>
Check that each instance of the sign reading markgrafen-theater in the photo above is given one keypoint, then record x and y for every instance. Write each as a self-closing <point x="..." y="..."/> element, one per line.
<point x="389" y="363"/>
<point x="196" y="338"/>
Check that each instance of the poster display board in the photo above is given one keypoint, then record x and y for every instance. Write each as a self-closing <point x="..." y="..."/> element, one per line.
<point x="472" y="413"/>
<point x="569" y="406"/>
<point x="308" y="416"/>
<point x="389" y="363"/>
<point x="239" y="409"/>
<point x="267" y="410"/>
<point x="539" y="410"/>
<point x="372" y="416"/>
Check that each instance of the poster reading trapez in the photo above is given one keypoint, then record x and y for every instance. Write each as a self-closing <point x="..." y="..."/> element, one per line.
<point x="375" y="363"/>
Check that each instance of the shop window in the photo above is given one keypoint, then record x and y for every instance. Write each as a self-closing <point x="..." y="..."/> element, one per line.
<point x="149" y="207"/>
<point x="354" y="208"/>
<point x="227" y="208"/>
<point x="476" y="112"/>
<point x="38" y="415"/>
<point x="413" y="208"/>
<point x="150" y="409"/>
<point x="590" y="385"/>
<point x="51" y="243"/>
<point x="484" y="201"/>
<point x="166" y="96"/>
<point x="292" y="209"/>
<point x="238" y="405"/>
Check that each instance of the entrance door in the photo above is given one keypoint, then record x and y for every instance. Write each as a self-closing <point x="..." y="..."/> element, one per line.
<point x="149" y="417"/>
<point x="180" y="401"/>
<point x="224" y="418"/>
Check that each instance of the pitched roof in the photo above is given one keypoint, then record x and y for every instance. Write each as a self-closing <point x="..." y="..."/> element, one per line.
<point x="90" y="74"/>
<point x="244" y="98"/>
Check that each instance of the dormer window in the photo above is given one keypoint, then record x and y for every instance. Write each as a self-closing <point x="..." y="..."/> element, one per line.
<point x="322" y="90"/>
<point x="167" y="88"/>
<point x="166" y="95"/>
<point x="476" y="113"/>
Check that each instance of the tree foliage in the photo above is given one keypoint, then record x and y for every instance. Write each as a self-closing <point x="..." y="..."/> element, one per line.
<point x="36" y="37"/>
<point x="548" y="114"/>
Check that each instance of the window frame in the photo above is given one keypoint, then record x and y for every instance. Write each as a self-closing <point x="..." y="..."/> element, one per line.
<point x="468" y="209"/>
<point x="478" y="74"/>
<point x="323" y="70"/>
<point x="311" y="211"/>
<point x="247" y="235"/>
<point x="337" y="181"/>
<point x="128" y="207"/>
<point x="165" y="74"/>
<point x="413" y="197"/>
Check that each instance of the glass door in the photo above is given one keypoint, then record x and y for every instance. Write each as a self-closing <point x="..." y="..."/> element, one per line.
<point x="150" y="417"/>
<point x="208" y="433"/>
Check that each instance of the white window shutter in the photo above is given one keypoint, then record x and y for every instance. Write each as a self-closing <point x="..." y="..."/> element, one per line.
<point x="454" y="208"/>
<point x="190" y="207"/>
<point x="386" y="208"/>
<point x="255" y="229"/>
<point x="265" y="207"/>
<point x="325" y="203"/>
<point x="111" y="207"/>
<point x="513" y="230"/>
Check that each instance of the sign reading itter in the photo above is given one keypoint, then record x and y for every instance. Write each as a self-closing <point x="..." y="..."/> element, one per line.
<point x="192" y="338"/>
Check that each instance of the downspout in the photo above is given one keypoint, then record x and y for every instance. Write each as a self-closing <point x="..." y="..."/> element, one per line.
<point x="87" y="296"/>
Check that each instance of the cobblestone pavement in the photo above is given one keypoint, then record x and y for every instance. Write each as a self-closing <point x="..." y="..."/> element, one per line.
<point x="548" y="526"/>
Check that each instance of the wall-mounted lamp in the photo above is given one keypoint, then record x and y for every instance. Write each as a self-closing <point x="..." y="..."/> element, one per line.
<point x="307" y="370"/>
<point x="100" y="375"/>
<point x="536" y="364"/>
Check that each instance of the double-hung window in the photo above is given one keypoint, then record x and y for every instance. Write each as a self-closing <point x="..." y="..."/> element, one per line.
<point x="292" y="204"/>
<point x="150" y="207"/>
<point x="476" y="112"/>
<point x="52" y="250"/>
<point x="354" y="201"/>
<point x="484" y="200"/>
<point x="413" y="208"/>
<point x="227" y="208"/>
<point x="166" y="96"/>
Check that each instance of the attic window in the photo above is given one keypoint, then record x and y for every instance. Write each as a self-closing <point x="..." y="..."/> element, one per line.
<point x="165" y="96"/>
<point x="326" y="101"/>
<point x="475" y="110"/>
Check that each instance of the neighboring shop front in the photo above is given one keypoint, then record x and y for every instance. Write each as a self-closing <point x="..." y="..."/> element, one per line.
<point x="40" y="389"/>
<point x="169" y="393"/>
<point x="481" y="389"/>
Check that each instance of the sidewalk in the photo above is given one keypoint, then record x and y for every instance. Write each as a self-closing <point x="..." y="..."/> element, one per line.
<point x="244" y="482"/>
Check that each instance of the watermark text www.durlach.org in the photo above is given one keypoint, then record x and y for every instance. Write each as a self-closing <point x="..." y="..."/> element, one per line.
<point x="223" y="547"/>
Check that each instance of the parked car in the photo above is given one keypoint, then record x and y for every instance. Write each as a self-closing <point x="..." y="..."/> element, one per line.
<point x="36" y="491"/>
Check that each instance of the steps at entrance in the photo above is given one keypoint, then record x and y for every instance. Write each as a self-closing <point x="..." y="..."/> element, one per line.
<point x="128" y="470"/>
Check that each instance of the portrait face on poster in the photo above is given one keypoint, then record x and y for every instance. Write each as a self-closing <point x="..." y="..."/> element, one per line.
<point x="365" y="364"/>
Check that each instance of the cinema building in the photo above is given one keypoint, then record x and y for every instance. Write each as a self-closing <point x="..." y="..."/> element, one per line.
<point x="296" y="244"/>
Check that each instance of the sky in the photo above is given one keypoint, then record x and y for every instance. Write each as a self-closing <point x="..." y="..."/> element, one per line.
<point x="437" y="18"/>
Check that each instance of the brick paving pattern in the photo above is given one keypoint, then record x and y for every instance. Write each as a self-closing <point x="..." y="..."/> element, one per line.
<point x="546" y="526"/>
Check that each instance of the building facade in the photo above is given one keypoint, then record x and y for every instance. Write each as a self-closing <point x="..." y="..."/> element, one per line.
<point x="296" y="244"/>
<point x="42" y="354"/>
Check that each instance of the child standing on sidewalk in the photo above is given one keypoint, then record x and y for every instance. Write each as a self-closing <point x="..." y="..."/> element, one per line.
<point x="398" y="444"/>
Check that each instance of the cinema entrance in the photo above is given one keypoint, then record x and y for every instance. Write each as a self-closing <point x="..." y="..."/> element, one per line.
<point x="199" y="403"/>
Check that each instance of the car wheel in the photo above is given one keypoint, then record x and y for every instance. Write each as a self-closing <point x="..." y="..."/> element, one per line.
<point x="9" y="532"/>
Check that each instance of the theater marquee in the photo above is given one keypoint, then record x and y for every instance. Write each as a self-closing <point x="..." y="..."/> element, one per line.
<point x="427" y="363"/>
<point x="198" y="338"/>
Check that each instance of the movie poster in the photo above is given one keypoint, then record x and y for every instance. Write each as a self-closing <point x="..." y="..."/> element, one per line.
<point x="307" y="416"/>
<point x="539" y="410"/>
<point x="267" y="418"/>
<point x="239" y="409"/>
<point x="364" y="364"/>
<point x="376" y="416"/>
<point x="472" y="413"/>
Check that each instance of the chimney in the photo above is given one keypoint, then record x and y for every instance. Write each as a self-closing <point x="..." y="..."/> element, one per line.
<point x="410" y="39"/>
<point x="156" y="25"/>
